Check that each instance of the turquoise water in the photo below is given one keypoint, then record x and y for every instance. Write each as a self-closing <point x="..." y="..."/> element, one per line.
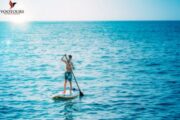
<point x="127" y="70"/>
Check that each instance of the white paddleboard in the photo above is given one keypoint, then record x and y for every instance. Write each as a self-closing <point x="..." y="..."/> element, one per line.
<point x="66" y="96"/>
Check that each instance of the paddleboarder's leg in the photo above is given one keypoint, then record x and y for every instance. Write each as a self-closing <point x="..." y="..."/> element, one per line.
<point x="70" y="87"/>
<point x="65" y="82"/>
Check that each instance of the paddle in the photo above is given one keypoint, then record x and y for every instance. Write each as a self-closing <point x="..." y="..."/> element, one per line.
<point x="80" y="92"/>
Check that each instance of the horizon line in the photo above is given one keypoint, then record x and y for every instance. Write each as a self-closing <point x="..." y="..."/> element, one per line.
<point x="90" y="20"/>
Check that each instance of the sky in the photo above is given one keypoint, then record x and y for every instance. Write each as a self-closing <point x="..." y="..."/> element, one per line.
<point x="80" y="10"/>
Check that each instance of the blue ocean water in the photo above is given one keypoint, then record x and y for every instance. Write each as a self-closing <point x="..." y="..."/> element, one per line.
<point x="127" y="70"/>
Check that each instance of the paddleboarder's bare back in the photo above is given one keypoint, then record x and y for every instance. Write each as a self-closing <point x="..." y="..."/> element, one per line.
<point x="68" y="73"/>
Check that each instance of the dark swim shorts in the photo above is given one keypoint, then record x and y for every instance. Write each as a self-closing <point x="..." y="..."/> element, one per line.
<point x="68" y="76"/>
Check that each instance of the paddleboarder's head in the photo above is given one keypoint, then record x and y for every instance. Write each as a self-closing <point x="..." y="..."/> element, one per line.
<point x="70" y="57"/>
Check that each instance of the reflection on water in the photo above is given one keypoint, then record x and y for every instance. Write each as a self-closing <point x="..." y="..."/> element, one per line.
<point x="68" y="110"/>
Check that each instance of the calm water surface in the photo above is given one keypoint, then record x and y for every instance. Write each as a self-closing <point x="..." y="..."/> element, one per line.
<point x="127" y="70"/>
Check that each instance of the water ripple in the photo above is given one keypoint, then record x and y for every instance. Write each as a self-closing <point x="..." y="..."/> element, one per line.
<point x="127" y="70"/>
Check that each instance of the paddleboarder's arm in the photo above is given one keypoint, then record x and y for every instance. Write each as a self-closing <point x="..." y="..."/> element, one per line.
<point x="62" y="59"/>
<point x="73" y="66"/>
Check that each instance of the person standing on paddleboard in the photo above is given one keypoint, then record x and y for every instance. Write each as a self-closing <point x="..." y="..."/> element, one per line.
<point x="68" y="73"/>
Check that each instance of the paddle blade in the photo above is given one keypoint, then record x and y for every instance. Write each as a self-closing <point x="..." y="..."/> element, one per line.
<point x="81" y="93"/>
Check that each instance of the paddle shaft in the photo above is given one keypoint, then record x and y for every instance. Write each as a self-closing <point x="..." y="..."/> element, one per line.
<point x="81" y="94"/>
